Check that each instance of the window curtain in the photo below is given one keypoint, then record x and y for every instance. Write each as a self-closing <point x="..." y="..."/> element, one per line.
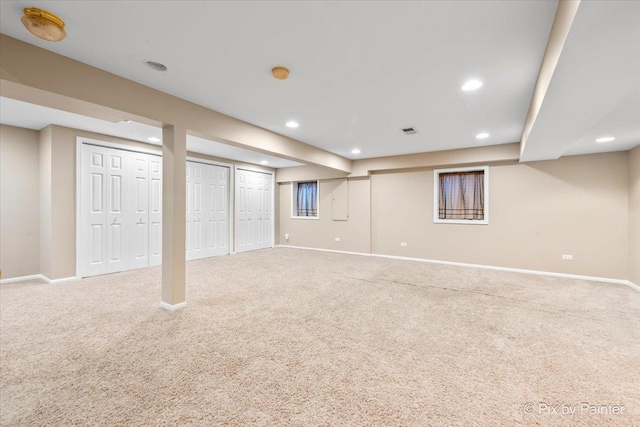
<point x="462" y="195"/>
<point x="308" y="199"/>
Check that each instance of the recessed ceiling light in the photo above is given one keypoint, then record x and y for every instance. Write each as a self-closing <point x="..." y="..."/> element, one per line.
<point x="483" y="135"/>
<point x="605" y="139"/>
<point x="264" y="162"/>
<point x="355" y="151"/>
<point x="292" y="124"/>
<point x="156" y="65"/>
<point x="153" y="139"/>
<point x="126" y="121"/>
<point x="472" y="85"/>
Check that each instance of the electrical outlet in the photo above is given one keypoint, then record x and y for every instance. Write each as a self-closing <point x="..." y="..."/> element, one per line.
<point x="286" y="236"/>
<point x="567" y="257"/>
<point x="337" y="239"/>
<point x="403" y="243"/>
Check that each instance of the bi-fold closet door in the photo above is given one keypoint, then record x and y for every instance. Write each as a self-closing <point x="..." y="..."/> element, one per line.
<point x="121" y="210"/>
<point x="207" y="230"/>
<point x="254" y="195"/>
<point x="116" y="210"/>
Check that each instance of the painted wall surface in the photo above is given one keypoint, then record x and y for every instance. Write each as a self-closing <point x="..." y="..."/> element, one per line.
<point x="45" y="201"/>
<point x="19" y="194"/>
<point x="321" y="233"/>
<point x="634" y="215"/>
<point x="538" y="212"/>
<point x="62" y="213"/>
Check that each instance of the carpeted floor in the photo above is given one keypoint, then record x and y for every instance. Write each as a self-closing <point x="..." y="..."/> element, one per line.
<point x="300" y="338"/>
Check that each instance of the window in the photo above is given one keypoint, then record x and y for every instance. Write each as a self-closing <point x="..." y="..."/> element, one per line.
<point x="304" y="200"/>
<point x="461" y="196"/>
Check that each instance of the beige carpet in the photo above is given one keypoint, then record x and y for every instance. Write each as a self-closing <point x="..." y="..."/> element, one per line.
<point x="301" y="338"/>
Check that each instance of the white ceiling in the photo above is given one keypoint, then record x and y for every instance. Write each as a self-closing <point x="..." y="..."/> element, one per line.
<point x="31" y="116"/>
<point x="595" y="89"/>
<point x="360" y="71"/>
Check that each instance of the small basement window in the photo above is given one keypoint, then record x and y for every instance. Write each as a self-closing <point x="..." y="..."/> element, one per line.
<point x="461" y="196"/>
<point x="304" y="200"/>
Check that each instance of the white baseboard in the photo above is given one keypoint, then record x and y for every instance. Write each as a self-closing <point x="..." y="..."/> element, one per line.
<point x="486" y="267"/>
<point x="24" y="279"/>
<point x="173" y="307"/>
<point x="37" y="277"/>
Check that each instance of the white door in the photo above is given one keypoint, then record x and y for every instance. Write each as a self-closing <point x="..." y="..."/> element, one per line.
<point x="195" y="216"/>
<point x="136" y="210"/>
<point x="207" y="232"/>
<point x="216" y="180"/>
<point x="94" y="215"/>
<point x="254" y="196"/>
<point x="121" y="210"/>
<point x="117" y="257"/>
<point x="155" y="210"/>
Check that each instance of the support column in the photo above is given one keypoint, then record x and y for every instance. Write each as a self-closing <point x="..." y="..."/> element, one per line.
<point x="174" y="181"/>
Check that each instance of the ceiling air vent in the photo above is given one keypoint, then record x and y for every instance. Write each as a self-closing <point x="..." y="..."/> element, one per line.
<point x="409" y="131"/>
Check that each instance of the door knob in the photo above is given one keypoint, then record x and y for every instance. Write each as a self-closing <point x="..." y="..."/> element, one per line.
<point x="140" y="219"/>
<point x="115" y="219"/>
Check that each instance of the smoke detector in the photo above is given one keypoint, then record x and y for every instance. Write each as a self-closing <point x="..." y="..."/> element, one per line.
<point x="280" y="73"/>
<point x="409" y="131"/>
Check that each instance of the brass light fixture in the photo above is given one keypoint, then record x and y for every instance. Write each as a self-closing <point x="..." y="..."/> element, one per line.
<point x="43" y="24"/>
<point x="280" y="73"/>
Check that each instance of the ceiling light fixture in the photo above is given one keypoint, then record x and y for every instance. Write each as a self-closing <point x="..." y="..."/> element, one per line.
<point x="126" y="121"/>
<point x="471" y="85"/>
<point x="355" y="151"/>
<point x="292" y="124"/>
<point x="153" y="139"/>
<point x="264" y="162"/>
<point x="156" y="65"/>
<point x="280" y="73"/>
<point x="43" y="24"/>
<point x="605" y="139"/>
<point x="483" y="135"/>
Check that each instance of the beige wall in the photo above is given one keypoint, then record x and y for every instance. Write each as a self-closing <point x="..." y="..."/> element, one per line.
<point x="634" y="215"/>
<point x="63" y="250"/>
<point x="538" y="212"/>
<point x="354" y="233"/>
<point x="45" y="201"/>
<point x="19" y="201"/>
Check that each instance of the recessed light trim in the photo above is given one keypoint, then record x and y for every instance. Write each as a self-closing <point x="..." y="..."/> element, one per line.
<point x="156" y="65"/>
<point x="264" y="162"/>
<point x="605" y="139"/>
<point x="355" y="151"/>
<point x="292" y="124"/>
<point x="482" y="135"/>
<point x="153" y="139"/>
<point x="471" y="85"/>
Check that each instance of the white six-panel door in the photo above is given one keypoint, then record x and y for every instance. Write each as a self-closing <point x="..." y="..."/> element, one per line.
<point x="207" y="228"/>
<point x="121" y="210"/>
<point x="253" y="210"/>
<point x="155" y="210"/>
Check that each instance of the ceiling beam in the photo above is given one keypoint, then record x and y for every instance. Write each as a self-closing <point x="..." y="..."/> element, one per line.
<point x="562" y="22"/>
<point x="28" y="72"/>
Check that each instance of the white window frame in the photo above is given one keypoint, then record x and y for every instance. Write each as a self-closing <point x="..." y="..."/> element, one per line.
<point x="294" y="199"/>
<point x="436" y="196"/>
